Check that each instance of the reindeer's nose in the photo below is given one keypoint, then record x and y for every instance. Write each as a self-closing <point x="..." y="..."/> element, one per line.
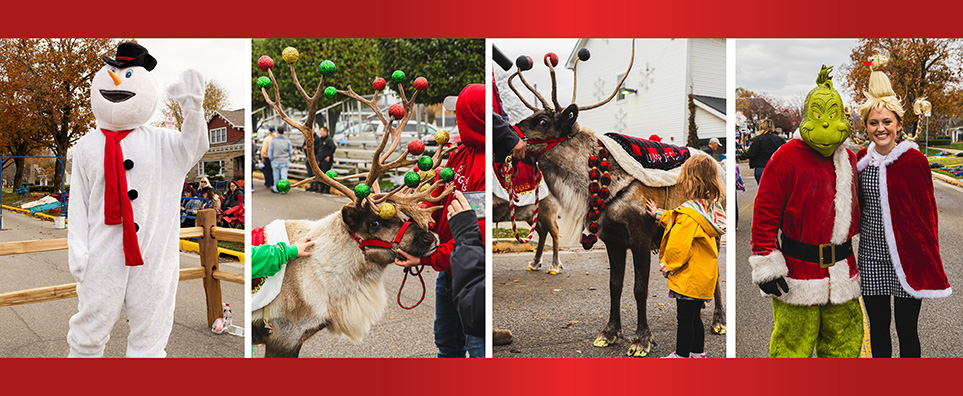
<point x="425" y="238"/>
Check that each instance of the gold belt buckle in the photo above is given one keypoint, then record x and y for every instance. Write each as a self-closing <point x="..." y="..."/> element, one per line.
<point x="822" y="263"/>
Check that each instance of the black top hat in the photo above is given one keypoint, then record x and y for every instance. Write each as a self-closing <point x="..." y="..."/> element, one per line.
<point x="131" y="54"/>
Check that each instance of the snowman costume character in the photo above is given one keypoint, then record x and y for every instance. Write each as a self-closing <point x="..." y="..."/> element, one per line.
<point x="125" y="183"/>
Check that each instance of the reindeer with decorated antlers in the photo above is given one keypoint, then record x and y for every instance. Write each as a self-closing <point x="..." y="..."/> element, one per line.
<point x="339" y="287"/>
<point x="610" y="193"/>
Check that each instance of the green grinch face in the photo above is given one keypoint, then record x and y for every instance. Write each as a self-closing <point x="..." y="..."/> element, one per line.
<point x="824" y="124"/>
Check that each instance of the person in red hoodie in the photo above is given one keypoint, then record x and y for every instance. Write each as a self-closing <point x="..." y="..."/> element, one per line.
<point x="468" y="162"/>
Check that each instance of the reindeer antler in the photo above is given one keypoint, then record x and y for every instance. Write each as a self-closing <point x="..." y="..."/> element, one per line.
<point x="524" y="63"/>
<point x="407" y="199"/>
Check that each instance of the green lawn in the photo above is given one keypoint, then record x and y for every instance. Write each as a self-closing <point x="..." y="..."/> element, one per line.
<point x="507" y="233"/>
<point x="948" y="161"/>
<point x="954" y="146"/>
<point x="946" y="173"/>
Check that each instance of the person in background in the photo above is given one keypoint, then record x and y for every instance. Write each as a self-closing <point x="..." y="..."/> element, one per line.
<point x="267" y="170"/>
<point x="280" y="151"/>
<point x="763" y="147"/>
<point x="324" y="148"/>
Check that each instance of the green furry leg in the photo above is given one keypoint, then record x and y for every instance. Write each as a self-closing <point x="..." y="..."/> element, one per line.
<point x="795" y="331"/>
<point x="831" y="330"/>
<point x="841" y="333"/>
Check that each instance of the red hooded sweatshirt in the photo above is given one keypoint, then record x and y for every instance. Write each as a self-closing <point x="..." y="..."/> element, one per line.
<point x="469" y="166"/>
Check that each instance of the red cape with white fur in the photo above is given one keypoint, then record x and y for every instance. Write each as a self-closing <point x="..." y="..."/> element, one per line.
<point x="809" y="198"/>
<point x="906" y="188"/>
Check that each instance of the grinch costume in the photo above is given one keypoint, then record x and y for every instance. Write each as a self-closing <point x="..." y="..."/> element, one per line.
<point x="809" y="196"/>
<point x="125" y="185"/>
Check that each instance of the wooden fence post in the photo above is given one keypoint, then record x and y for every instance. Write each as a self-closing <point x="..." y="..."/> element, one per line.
<point x="208" y="251"/>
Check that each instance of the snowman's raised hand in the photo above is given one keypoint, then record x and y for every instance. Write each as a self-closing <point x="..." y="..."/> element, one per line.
<point x="189" y="91"/>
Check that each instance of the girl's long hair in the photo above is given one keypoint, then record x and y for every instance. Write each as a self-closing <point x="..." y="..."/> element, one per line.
<point x="699" y="179"/>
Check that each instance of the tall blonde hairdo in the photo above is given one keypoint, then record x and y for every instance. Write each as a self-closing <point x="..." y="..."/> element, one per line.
<point x="880" y="91"/>
<point x="699" y="178"/>
<point x="766" y="126"/>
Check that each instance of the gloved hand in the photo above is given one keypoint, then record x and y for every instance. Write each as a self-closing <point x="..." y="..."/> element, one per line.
<point x="189" y="91"/>
<point x="772" y="287"/>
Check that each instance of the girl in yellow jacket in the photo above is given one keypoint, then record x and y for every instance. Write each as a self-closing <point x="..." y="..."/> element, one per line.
<point x="689" y="253"/>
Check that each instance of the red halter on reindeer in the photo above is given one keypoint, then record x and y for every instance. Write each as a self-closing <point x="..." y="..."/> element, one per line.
<point x="605" y="179"/>
<point x="339" y="288"/>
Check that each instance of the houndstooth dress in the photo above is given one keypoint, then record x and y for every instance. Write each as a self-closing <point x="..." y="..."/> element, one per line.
<point x="876" y="270"/>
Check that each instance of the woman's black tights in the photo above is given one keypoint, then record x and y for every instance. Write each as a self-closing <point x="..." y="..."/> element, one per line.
<point x="907" y="313"/>
<point x="690" y="336"/>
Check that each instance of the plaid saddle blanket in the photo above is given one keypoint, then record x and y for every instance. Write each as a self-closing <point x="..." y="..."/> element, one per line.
<point x="651" y="154"/>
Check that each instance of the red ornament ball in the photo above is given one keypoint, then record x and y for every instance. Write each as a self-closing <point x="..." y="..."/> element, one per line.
<point x="551" y="57"/>
<point x="396" y="111"/>
<point x="379" y="84"/>
<point x="421" y="83"/>
<point x="265" y="62"/>
<point x="603" y="153"/>
<point x="593" y="228"/>
<point x="416" y="147"/>
<point x="604" y="165"/>
<point x="594" y="175"/>
<point x="593" y="161"/>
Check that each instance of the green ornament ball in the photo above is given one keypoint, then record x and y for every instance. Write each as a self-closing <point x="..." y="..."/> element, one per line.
<point x="330" y="92"/>
<point x="362" y="191"/>
<point x="412" y="179"/>
<point x="425" y="162"/>
<point x="398" y="76"/>
<point x="331" y="174"/>
<point x="263" y="82"/>
<point x="283" y="185"/>
<point x="327" y="68"/>
<point x="447" y="175"/>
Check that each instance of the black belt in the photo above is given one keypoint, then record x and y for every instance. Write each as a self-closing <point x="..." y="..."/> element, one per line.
<point x="826" y="254"/>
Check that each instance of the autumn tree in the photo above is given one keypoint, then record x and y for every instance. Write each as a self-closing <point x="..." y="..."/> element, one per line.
<point x="917" y="67"/>
<point x="757" y="106"/>
<point x="54" y="76"/>
<point x="215" y="98"/>
<point x="22" y="133"/>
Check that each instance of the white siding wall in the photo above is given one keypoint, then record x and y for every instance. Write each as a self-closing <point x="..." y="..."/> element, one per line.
<point x="708" y="67"/>
<point x="709" y="125"/>
<point x="659" y="108"/>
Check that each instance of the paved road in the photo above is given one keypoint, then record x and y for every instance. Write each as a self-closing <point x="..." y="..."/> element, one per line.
<point x="560" y="315"/>
<point x="400" y="333"/>
<point x="940" y="333"/>
<point x="40" y="329"/>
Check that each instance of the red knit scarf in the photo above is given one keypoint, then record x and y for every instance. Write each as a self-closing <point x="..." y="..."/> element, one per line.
<point x="117" y="209"/>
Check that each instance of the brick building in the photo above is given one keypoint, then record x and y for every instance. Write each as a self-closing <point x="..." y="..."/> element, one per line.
<point x="225" y="130"/>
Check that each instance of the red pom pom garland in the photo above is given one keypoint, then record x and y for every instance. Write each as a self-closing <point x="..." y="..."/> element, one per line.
<point x="599" y="187"/>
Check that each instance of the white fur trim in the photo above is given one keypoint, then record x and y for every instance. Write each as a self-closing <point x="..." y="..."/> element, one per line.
<point x="843" y="288"/>
<point x="843" y="200"/>
<point x="649" y="176"/>
<point x="768" y="267"/>
<point x="274" y="232"/>
<point x="893" y="155"/>
<point x="888" y="224"/>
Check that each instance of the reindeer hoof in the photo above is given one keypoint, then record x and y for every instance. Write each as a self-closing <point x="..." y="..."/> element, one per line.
<point x="551" y="272"/>
<point x="533" y="266"/>
<point x="637" y="351"/>
<point x="719" y="329"/>
<point x="602" y="342"/>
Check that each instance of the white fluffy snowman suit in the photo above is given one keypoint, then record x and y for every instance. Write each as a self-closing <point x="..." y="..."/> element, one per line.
<point x="158" y="160"/>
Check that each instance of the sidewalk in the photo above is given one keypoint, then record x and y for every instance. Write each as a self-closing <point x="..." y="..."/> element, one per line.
<point x="40" y="329"/>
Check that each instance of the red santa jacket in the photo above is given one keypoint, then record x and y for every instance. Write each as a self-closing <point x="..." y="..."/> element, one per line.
<point x="912" y="236"/>
<point x="811" y="199"/>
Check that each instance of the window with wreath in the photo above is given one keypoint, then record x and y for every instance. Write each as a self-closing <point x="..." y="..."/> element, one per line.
<point x="218" y="135"/>
<point x="210" y="168"/>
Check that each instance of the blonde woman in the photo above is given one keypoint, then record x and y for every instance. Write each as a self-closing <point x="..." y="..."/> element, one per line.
<point x="763" y="147"/>
<point x="899" y="252"/>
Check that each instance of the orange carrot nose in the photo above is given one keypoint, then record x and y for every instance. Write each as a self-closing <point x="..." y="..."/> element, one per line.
<point x="114" y="77"/>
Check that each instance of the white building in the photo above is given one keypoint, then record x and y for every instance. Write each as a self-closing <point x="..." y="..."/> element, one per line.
<point x="654" y="99"/>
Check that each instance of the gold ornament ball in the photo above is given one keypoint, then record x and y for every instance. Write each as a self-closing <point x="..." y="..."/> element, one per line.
<point x="424" y="187"/>
<point x="290" y="54"/>
<point x="441" y="137"/>
<point x="386" y="211"/>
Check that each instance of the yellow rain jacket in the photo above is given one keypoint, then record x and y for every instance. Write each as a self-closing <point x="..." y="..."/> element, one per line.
<point x="690" y="250"/>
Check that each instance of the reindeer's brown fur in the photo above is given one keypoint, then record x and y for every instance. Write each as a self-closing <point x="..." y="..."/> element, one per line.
<point x="624" y="222"/>
<point x="546" y="224"/>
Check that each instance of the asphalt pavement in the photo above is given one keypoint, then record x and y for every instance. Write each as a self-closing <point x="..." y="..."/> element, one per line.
<point x="40" y="329"/>
<point x="560" y="315"/>
<point x="400" y="333"/>
<point x="939" y="329"/>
